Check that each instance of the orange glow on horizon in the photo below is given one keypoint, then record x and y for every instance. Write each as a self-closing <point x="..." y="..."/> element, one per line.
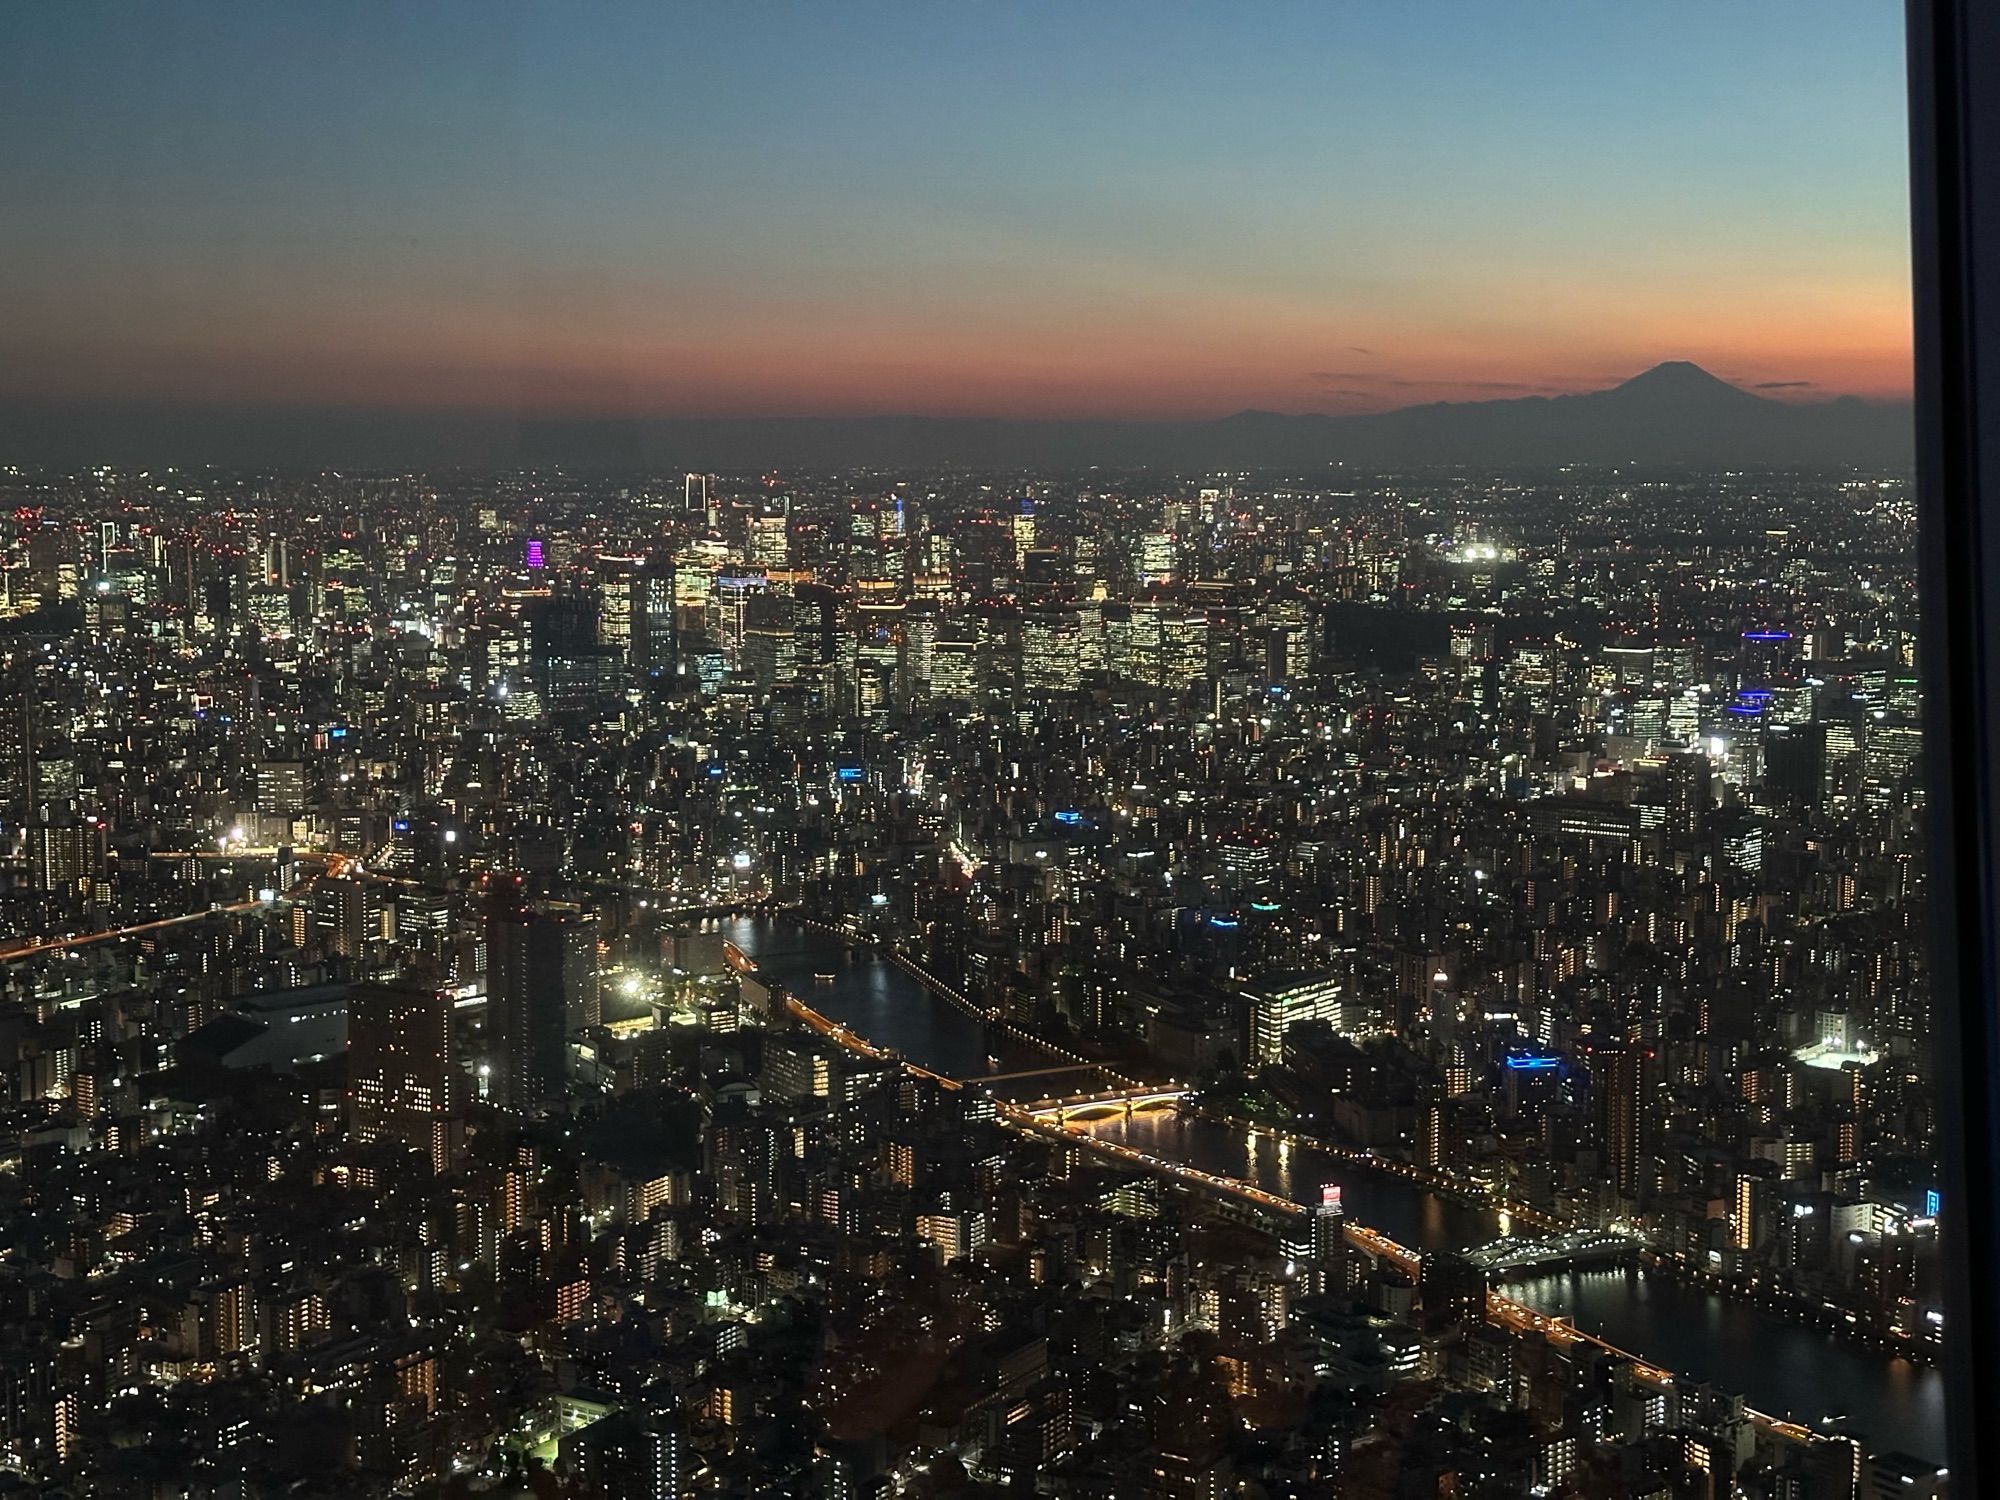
<point x="628" y="355"/>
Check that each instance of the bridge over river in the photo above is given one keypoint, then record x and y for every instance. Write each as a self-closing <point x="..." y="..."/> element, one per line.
<point x="1516" y="1256"/>
<point x="1797" y="1374"/>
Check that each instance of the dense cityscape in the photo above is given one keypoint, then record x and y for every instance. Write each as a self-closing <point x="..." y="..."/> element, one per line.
<point x="944" y="983"/>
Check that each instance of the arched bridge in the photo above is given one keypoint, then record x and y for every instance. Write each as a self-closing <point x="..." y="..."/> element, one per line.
<point x="1110" y="1102"/>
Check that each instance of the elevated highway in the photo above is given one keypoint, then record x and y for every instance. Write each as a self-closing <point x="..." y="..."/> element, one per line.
<point x="1501" y="1310"/>
<point x="1061" y="1120"/>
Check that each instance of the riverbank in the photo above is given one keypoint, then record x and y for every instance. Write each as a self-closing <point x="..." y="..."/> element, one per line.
<point x="1677" y="1323"/>
<point x="1825" y="1317"/>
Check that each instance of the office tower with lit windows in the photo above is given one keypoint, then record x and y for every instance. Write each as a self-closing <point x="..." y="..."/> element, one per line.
<point x="1279" y="1002"/>
<point x="1317" y="1245"/>
<point x="1024" y="531"/>
<point x="621" y="605"/>
<point x="768" y="544"/>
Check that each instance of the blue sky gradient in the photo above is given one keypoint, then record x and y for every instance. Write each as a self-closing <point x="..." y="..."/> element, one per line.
<point x="1100" y="209"/>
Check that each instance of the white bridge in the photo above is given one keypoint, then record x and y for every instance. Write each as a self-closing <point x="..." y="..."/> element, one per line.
<point x="1523" y="1256"/>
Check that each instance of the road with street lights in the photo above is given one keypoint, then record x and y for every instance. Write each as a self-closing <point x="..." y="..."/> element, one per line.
<point x="1780" y="1367"/>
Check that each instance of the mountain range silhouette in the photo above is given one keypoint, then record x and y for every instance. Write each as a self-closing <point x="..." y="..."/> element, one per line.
<point x="1675" y="413"/>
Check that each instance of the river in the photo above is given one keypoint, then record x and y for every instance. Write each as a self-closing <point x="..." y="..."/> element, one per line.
<point x="1778" y="1366"/>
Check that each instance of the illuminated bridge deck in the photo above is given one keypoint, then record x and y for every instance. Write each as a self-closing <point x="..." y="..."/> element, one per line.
<point x="1525" y="1256"/>
<point x="1104" y="1103"/>
<point x="1062" y="1120"/>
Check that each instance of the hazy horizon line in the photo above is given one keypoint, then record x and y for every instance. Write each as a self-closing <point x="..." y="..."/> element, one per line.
<point x="1789" y="393"/>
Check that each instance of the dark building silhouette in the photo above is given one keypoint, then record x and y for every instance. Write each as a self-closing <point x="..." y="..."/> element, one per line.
<point x="1618" y="1091"/>
<point x="541" y="984"/>
<point x="403" y="1068"/>
<point x="1688" y="795"/>
<point x="1452" y="1292"/>
<point x="571" y="664"/>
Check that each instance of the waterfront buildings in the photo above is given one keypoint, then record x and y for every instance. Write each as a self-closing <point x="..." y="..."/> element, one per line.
<point x="1546" y="842"/>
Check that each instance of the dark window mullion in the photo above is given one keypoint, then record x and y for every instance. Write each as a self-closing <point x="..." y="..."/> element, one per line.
<point x="1954" y="69"/>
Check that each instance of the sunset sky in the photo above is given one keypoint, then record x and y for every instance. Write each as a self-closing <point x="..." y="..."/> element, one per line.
<point x="1079" y="209"/>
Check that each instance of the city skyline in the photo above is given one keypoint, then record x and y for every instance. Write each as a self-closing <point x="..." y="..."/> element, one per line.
<point x="1123" y="214"/>
<point x="966" y="752"/>
<point x="970" y="983"/>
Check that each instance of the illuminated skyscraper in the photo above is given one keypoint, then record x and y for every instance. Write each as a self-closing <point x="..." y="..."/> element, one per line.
<point x="1687" y="795"/>
<point x="769" y="541"/>
<point x="1318" y="1246"/>
<point x="1024" y="532"/>
<point x="621" y="605"/>
<point x="1280" y="1001"/>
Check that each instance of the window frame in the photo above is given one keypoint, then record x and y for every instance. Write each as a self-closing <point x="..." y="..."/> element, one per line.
<point x="1954" y="96"/>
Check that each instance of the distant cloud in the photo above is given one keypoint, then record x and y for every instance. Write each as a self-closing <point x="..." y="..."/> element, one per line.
<point x="1784" y="385"/>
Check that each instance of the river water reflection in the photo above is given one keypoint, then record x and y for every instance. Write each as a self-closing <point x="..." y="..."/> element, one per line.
<point x="1779" y="1367"/>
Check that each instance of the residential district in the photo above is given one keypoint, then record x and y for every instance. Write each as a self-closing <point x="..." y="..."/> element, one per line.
<point x="870" y="983"/>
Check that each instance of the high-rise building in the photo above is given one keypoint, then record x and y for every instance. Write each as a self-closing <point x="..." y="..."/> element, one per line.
<point x="620" y="604"/>
<point x="1687" y="794"/>
<point x="17" y="745"/>
<point x="1318" y="1246"/>
<point x="65" y="854"/>
<point x="1024" y="532"/>
<point x="769" y="542"/>
<point x="954" y="665"/>
<point x="1794" y="762"/>
<point x="1049" y="651"/>
<point x="346" y="916"/>
<point x="281" y="787"/>
<point x="541" y="984"/>
<point x="1618" y="1091"/>
<point x="572" y="669"/>
<point x="402" y="1067"/>
<point x="655" y="633"/>
<point x="1280" y="1001"/>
